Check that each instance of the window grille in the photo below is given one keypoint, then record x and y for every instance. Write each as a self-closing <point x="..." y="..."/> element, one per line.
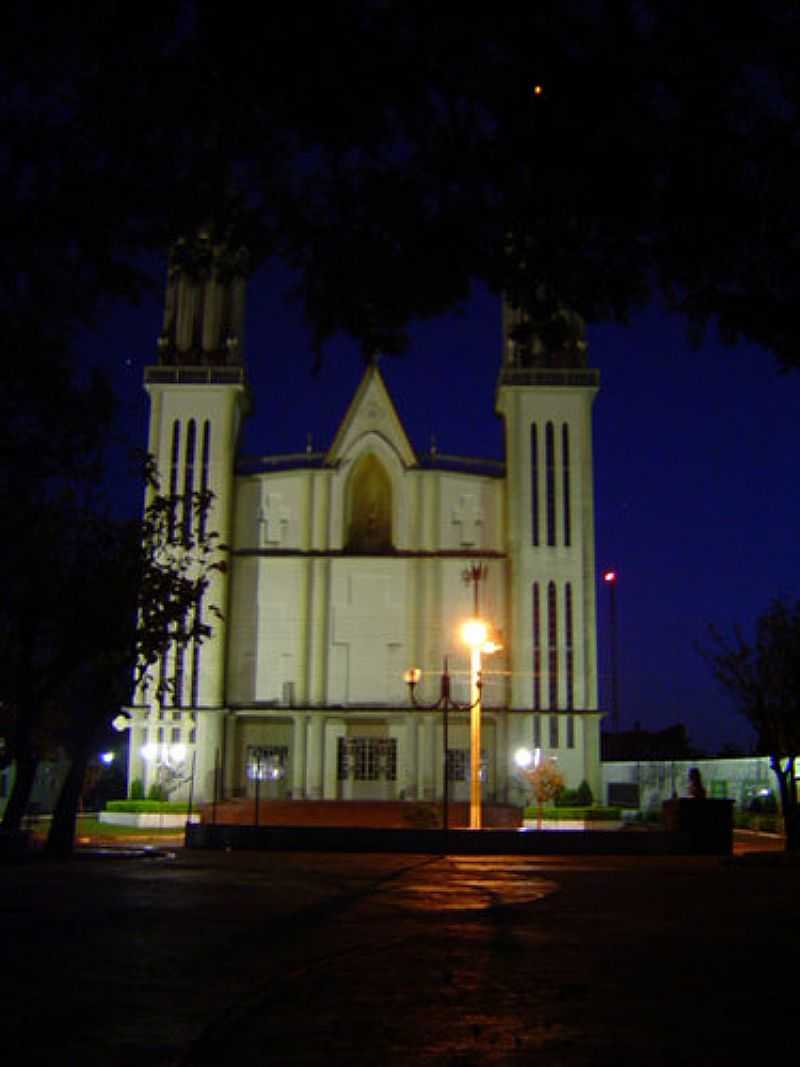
<point x="367" y="759"/>
<point x="458" y="765"/>
<point x="267" y="763"/>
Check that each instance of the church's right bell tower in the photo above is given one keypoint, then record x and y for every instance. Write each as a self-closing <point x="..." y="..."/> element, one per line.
<point x="198" y="397"/>
<point x="545" y="394"/>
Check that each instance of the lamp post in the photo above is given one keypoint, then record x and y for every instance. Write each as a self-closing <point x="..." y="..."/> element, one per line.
<point x="475" y="633"/>
<point x="411" y="677"/>
<point x="610" y="578"/>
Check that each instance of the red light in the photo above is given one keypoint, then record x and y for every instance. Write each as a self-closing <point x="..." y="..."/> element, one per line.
<point x="610" y="576"/>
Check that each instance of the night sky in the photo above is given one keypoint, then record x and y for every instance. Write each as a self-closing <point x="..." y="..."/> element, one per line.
<point x="695" y="466"/>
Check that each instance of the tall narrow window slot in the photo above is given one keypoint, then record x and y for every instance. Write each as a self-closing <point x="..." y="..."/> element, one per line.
<point x="565" y="482"/>
<point x="204" y="482"/>
<point x="195" y="678"/>
<point x="550" y="464"/>
<point x="569" y="646"/>
<point x="534" y="486"/>
<point x="552" y="645"/>
<point x="537" y="649"/>
<point x="188" y="481"/>
<point x="174" y="461"/>
<point x="177" y="677"/>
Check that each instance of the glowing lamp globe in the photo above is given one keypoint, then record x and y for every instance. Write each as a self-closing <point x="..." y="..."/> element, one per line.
<point x="474" y="633"/>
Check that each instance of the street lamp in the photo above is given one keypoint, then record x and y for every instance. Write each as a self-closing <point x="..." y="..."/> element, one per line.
<point x="411" y="677"/>
<point x="610" y="578"/>
<point x="475" y="633"/>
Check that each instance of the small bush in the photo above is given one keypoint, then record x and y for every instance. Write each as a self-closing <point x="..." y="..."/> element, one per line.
<point x="155" y="792"/>
<point x="583" y="795"/>
<point x="423" y="816"/>
<point x="567" y="798"/>
<point x="137" y="789"/>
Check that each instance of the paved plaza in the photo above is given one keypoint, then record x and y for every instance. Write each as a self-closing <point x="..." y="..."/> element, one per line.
<point x="190" y="958"/>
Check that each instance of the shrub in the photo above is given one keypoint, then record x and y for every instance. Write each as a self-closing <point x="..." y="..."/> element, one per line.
<point x="567" y="798"/>
<point x="155" y="792"/>
<point x="137" y="789"/>
<point x="423" y="816"/>
<point x="583" y="795"/>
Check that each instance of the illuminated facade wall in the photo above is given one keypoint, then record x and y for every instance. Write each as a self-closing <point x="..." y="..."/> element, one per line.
<point x="347" y="567"/>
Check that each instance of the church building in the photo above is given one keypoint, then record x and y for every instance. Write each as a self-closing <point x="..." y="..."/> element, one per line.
<point x="347" y="567"/>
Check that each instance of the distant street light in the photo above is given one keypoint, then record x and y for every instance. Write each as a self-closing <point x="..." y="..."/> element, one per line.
<point x="610" y="578"/>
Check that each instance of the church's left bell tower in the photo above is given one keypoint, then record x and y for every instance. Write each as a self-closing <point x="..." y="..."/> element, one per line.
<point x="198" y="398"/>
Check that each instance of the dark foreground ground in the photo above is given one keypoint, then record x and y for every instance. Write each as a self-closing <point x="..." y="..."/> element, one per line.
<point x="201" y="958"/>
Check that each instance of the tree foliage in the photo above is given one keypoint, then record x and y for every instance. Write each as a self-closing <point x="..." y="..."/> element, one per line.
<point x="763" y="677"/>
<point x="579" y="154"/>
<point x="545" y="782"/>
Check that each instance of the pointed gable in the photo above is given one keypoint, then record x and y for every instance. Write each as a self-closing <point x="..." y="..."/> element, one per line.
<point x="371" y="411"/>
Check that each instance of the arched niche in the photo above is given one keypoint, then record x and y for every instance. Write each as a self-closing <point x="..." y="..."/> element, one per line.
<point x="368" y="518"/>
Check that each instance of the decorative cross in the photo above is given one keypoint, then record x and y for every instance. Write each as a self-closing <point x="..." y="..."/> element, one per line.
<point x="469" y="517"/>
<point x="273" y="520"/>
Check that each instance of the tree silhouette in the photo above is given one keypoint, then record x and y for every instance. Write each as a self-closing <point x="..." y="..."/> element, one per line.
<point x="763" y="677"/>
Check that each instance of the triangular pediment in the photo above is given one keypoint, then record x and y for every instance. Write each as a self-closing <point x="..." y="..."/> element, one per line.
<point x="371" y="411"/>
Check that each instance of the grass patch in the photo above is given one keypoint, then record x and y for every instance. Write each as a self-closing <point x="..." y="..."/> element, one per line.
<point x="94" y="828"/>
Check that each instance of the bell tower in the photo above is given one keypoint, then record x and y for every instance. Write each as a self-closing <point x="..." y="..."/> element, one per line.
<point x="545" y="394"/>
<point x="198" y="398"/>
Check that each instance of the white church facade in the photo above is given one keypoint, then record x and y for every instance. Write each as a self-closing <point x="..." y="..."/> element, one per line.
<point x="346" y="567"/>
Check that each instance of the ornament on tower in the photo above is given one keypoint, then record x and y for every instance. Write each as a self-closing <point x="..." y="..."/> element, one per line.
<point x="205" y="301"/>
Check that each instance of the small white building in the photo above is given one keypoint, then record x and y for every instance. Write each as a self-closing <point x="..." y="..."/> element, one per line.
<point x="346" y="567"/>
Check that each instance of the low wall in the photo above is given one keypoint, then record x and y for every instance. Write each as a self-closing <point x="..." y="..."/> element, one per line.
<point x="455" y="842"/>
<point x="390" y="814"/>
<point x="148" y="819"/>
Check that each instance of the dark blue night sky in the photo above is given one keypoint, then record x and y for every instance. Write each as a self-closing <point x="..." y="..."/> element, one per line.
<point x="697" y="505"/>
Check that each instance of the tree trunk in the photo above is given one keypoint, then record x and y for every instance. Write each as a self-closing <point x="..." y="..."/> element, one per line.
<point x="61" y="839"/>
<point x="789" y="808"/>
<point x="25" y="772"/>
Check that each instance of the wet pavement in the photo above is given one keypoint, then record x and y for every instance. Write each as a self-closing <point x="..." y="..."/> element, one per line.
<point x="187" y="958"/>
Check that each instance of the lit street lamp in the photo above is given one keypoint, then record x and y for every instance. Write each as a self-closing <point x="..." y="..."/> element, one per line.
<point x="476" y="636"/>
<point x="610" y="578"/>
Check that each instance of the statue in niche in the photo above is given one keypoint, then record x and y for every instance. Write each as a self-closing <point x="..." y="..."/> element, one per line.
<point x="369" y="512"/>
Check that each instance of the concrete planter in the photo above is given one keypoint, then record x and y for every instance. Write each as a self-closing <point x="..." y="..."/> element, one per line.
<point x="149" y="820"/>
<point x="573" y="824"/>
<point x="708" y="823"/>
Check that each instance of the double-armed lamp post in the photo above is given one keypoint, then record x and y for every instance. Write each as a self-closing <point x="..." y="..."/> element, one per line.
<point x="475" y="633"/>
